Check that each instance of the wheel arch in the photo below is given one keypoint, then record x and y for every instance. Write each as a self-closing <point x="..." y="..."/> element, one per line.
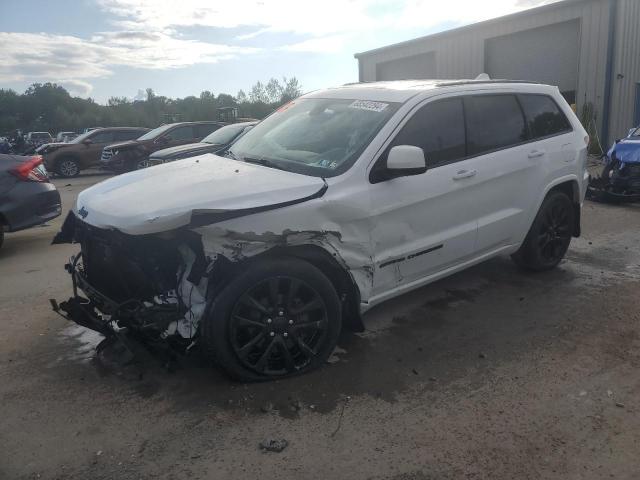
<point x="571" y="188"/>
<point x="328" y="264"/>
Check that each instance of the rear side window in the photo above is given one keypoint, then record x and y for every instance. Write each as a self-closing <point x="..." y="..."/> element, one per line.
<point x="181" y="133"/>
<point x="123" y="135"/>
<point x="493" y="122"/>
<point x="205" y="129"/>
<point x="437" y="128"/>
<point x="544" y="117"/>
<point x="102" y="137"/>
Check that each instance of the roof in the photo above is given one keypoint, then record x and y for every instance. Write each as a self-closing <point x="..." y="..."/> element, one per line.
<point x="400" y="90"/>
<point x="454" y="31"/>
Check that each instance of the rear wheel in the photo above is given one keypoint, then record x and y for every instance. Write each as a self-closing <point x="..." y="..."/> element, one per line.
<point x="1" y="236"/>
<point x="67" y="167"/>
<point x="278" y="318"/>
<point x="550" y="235"/>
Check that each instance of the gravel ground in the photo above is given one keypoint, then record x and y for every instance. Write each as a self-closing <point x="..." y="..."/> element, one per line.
<point x="491" y="373"/>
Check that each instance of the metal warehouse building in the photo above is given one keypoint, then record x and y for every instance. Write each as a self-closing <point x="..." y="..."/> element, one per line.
<point x="590" y="49"/>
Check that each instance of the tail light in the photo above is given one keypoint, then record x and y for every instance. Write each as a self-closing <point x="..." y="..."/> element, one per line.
<point x="33" y="170"/>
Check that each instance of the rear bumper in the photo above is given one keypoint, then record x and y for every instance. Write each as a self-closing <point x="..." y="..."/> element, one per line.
<point x="30" y="204"/>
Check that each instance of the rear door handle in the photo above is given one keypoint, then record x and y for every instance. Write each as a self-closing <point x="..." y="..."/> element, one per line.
<point x="465" y="174"/>
<point x="536" y="153"/>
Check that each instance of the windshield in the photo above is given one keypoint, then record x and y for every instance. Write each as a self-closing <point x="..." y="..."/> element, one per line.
<point x="156" y="132"/>
<point x="80" y="138"/>
<point x="635" y="133"/>
<point x="225" y="134"/>
<point x="314" y="136"/>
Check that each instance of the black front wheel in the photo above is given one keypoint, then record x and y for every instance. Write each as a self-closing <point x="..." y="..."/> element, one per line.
<point x="550" y="235"/>
<point x="278" y="318"/>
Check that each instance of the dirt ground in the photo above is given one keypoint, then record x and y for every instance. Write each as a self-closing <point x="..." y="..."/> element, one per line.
<point x="491" y="373"/>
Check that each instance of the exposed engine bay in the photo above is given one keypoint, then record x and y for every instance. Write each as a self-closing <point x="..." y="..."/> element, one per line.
<point x="155" y="285"/>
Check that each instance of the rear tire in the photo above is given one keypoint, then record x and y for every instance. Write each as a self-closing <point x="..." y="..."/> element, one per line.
<point x="277" y="318"/>
<point x="67" y="168"/>
<point x="549" y="236"/>
<point x="1" y="236"/>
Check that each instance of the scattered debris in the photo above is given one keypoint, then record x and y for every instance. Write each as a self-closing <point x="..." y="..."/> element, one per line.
<point x="619" y="405"/>
<point x="344" y="405"/>
<point x="267" y="407"/>
<point x="415" y="372"/>
<point x="273" y="445"/>
<point x="433" y="379"/>
<point x="482" y="355"/>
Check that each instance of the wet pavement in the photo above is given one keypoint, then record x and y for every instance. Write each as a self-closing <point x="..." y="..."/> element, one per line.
<point x="490" y="373"/>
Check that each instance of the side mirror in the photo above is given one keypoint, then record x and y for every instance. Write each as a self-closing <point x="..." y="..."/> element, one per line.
<point x="405" y="160"/>
<point x="161" y="140"/>
<point x="87" y="141"/>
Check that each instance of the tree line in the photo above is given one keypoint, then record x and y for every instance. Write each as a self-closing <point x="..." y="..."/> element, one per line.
<point x="50" y="107"/>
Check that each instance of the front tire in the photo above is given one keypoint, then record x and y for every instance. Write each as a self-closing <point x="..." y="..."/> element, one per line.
<point x="279" y="317"/>
<point x="549" y="236"/>
<point x="67" y="168"/>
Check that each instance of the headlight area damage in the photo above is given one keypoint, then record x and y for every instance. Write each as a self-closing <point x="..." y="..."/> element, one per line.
<point x="154" y="285"/>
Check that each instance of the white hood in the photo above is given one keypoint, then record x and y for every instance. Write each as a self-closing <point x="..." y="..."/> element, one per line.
<point x="164" y="197"/>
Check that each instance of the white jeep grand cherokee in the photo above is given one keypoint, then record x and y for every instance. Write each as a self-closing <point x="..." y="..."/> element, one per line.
<point x="336" y="202"/>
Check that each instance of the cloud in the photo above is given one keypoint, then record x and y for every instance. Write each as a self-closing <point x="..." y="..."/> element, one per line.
<point x="77" y="88"/>
<point x="327" y="24"/>
<point x="328" y="44"/>
<point x="72" y="60"/>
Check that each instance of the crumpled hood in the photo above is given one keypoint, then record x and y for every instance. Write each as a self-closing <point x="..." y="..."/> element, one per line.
<point x="626" y="150"/>
<point x="208" y="187"/>
<point x="180" y="150"/>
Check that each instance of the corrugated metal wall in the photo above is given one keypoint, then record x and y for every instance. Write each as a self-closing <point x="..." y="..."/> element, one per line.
<point x="547" y="54"/>
<point x="627" y="64"/>
<point x="460" y="53"/>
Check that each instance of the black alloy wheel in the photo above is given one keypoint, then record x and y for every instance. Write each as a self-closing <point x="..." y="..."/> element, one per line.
<point x="278" y="325"/>
<point x="550" y="235"/>
<point x="554" y="233"/>
<point x="278" y="317"/>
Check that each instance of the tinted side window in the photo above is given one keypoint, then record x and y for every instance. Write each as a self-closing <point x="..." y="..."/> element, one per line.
<point x="205" y="129"/>
<point x="437" y="128"/>
<point x="544" y="117"/>
<point x="493" y="122"/>
<point x="102" y="137"/>
<point x="123" y="135"/>
<point x="181" y="133"/>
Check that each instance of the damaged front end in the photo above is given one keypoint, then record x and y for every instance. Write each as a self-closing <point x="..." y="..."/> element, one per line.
<point x="620" y="177"/>
<point x="154" y="285"/>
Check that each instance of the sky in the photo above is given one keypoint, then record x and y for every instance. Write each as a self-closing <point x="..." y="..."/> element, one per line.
<point x="105" y="48"/>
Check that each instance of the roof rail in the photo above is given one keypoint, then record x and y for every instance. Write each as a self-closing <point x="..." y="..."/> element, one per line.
<point x="450" y="83"/>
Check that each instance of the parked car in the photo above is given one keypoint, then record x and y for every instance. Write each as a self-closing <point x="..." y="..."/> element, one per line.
<point x="65" y="136"/>
<point x="212" y="143"/>
<point x="68" y="159"/>
<point x="620" y="178"/>
<point x="340" y="200"/>
<point x="132" y="155"/>
<point x="27" y="198"/>
<point x="38" y="138"/>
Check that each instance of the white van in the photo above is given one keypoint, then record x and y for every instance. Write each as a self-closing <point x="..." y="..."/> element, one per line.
<point x="339" y="200"/>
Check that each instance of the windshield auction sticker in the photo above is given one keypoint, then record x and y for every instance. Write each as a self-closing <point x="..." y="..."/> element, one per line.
<point x="367" y="105"/>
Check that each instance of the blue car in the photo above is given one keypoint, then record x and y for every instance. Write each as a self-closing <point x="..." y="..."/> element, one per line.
<point x="620" y="179"/>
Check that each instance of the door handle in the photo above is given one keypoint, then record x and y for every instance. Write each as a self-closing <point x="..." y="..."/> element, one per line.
<point x="536" y="153"/>
<point x="465" y="174"/>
